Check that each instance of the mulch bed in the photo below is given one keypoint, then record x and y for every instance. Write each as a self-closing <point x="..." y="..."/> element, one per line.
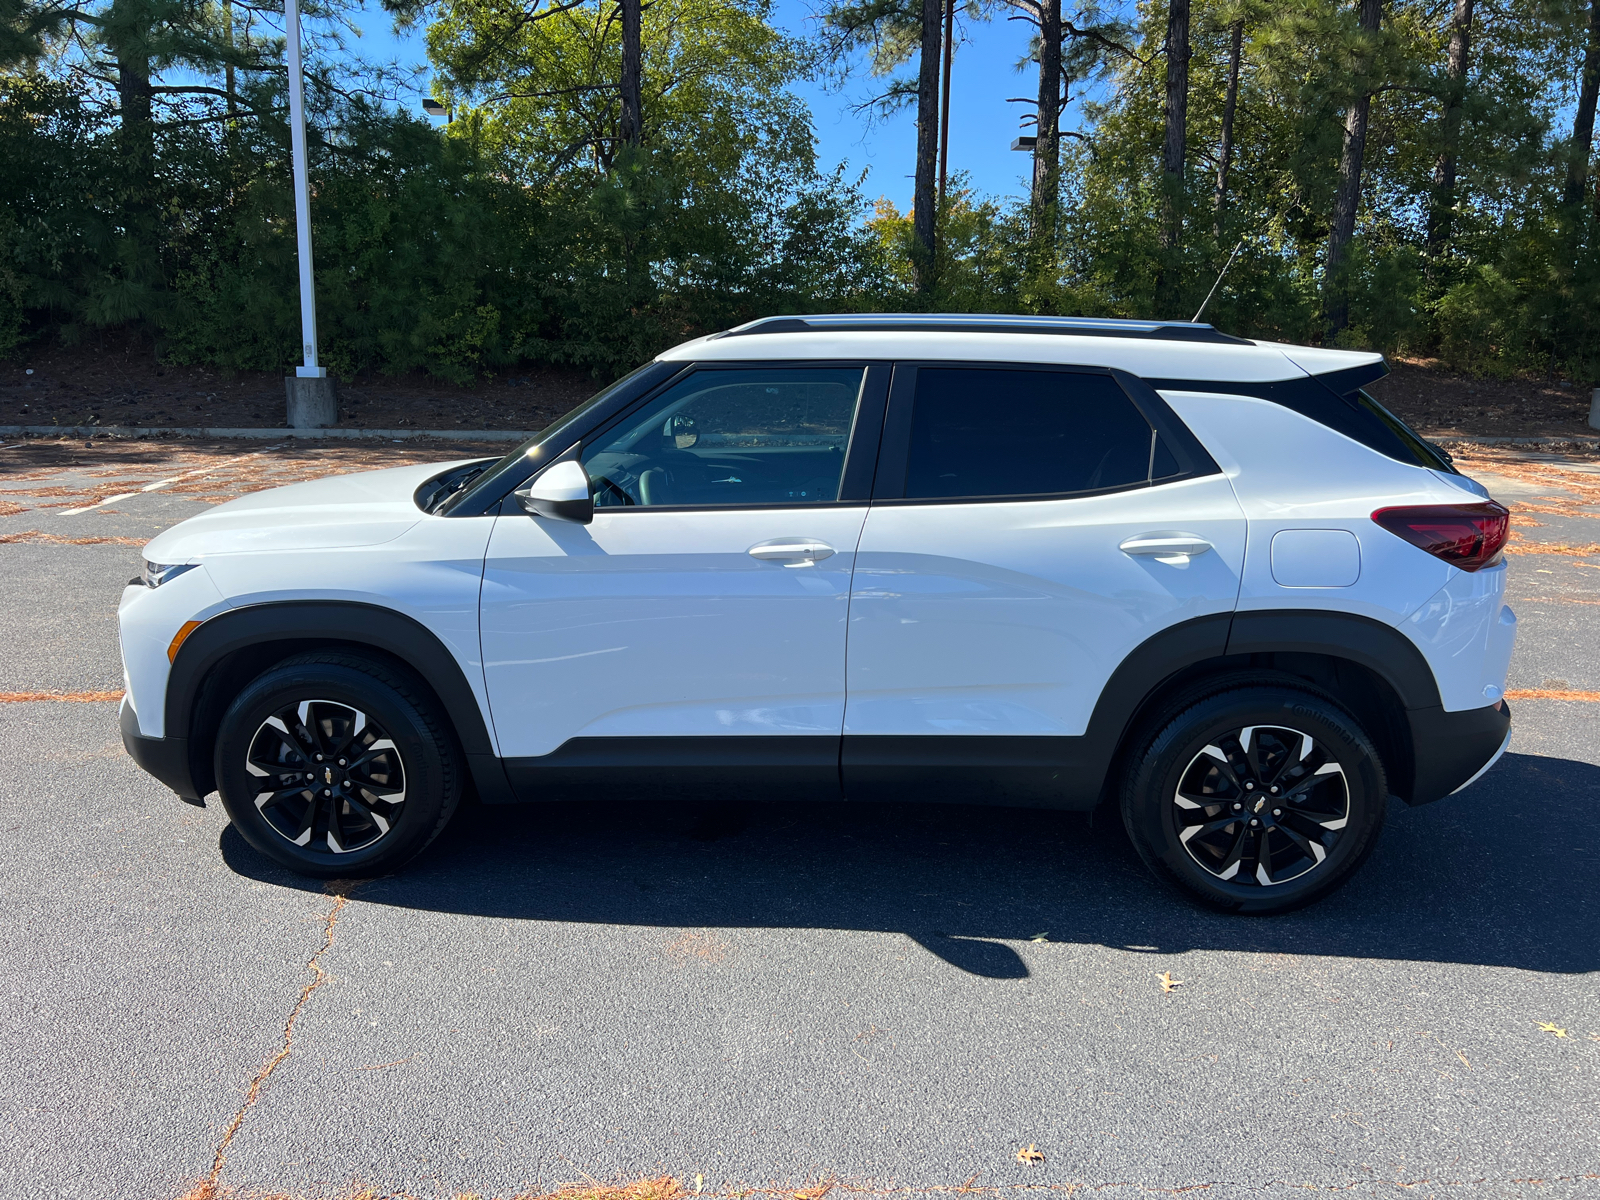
<point x="117" y="381"/>
<point x="1442" y="404"/>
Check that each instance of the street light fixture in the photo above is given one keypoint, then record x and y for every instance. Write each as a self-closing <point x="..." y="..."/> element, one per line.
<point x="312" y="402"/>
<point x="434" y="109"/>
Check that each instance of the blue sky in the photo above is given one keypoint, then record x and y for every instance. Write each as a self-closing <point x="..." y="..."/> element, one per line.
<point x="982" y="124"/>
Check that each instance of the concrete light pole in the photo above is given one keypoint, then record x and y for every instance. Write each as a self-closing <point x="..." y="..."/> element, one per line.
<point x="313" y="403"/>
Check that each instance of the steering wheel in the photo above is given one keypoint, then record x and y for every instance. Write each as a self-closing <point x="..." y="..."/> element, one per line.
<point x="608" y="486"/>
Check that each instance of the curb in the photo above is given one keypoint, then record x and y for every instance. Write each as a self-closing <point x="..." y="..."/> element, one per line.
<point x="1586" y="443"/>
<point x="516" y="435"/>
<point x="149" y="431"/>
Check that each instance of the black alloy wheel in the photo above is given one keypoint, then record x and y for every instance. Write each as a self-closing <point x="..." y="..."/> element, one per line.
<point x="1259" y="798"/>
<point x="336" y="765"/>
<point x="1262" y="805"/>
<point x="329" y="776"/>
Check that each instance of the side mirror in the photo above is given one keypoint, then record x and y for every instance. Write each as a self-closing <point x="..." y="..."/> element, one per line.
<point x="560" y="492"/>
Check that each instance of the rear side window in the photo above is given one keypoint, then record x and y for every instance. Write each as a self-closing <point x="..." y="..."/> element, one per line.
<point x="1423" y="452"/>
<point x="1334" y="399"/>
<point x="979" y="432"/>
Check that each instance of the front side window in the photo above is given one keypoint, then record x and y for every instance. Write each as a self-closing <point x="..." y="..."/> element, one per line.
<point x="731" y="437"/>
<point x="978" y="432"/>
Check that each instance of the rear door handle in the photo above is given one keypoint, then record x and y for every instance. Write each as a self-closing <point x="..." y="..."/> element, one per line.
<point x="1165" y="546"/>
<point x="792" y="552"/>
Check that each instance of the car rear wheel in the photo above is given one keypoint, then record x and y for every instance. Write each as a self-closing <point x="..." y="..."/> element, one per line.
<point x="1256" y="799"/>
<point x="337" y="766"/>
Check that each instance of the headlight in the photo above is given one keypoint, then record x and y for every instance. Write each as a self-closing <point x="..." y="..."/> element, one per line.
<point x="155" y="574"/>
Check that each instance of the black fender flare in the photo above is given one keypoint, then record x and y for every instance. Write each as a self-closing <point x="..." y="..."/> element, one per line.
<point x="1135" y="680"/>
<point x="1381" y="649"/>
<point x="1231" y="639"/>
<point x="308" y="624"/>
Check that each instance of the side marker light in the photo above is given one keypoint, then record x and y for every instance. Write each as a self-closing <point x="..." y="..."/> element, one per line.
<point x="179" y="638"/>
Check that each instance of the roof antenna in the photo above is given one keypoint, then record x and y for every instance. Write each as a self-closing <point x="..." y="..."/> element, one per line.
<point x="1194" y="320"/>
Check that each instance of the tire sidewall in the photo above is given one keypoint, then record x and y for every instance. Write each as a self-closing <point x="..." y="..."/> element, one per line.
<point x="1149" y="812"/>
<point x="421" y="759"/>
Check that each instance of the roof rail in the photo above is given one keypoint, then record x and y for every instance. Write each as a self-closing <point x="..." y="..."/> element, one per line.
<point x="1179" y="331"/>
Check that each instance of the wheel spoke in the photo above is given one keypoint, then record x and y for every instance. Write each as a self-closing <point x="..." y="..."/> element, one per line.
<point x="1193" y="831"/>
<point x="1319" y="815"/>
<point x="333" y="832"/>
<point x="1224" y="766"/>
<point x="389" y="793"/>
<point x="358" y="726"/>
<point x="1235" y="856"/>
<point x="1264" y="860"/>
<point x="370" y="813"/>
<point x="364" y="760"/>
<point x="308" y="821"/>
<point x="1315" y="851"/>
<point x="306" y="711"/>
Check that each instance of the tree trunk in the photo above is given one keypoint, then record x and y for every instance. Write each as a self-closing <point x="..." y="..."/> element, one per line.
<point x="1230" y="104"/>
<point x="1047" y="143"/>
<point x="138" y="131"/>
<point x="944" y="98"/>
<point x="228" y="86"/>
<point x="1173" y="151"/>
<point x="923" y="213"/>
<point x="1442" y="209"/>
<point x="632" y="124"/>
<point x="1583" y="123"/>
<point x="1347" y="197"/>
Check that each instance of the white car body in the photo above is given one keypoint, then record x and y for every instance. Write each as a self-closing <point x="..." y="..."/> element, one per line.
<point x="986" y="634"/>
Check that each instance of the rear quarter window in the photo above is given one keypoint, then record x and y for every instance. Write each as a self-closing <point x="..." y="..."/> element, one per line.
<point x="1337" y="401"/>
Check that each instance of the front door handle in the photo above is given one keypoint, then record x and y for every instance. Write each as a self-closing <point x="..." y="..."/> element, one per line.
<point x="792" y="552"/>
<point x="1166" y="547"/>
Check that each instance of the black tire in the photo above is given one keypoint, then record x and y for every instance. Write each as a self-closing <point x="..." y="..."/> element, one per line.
<point x="387" y="781"/>
<point x="1263" y="828"/>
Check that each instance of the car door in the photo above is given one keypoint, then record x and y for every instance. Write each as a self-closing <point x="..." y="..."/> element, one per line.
<point x="693" y="634"/>
<point x="1030" y="528"/>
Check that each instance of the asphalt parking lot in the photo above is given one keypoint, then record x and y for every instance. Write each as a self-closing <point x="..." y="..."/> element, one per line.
<point x="896" y="997"/>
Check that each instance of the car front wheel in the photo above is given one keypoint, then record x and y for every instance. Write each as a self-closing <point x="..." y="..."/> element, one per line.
<point x="1257" y="799"/>
<point x="337" y="766"/>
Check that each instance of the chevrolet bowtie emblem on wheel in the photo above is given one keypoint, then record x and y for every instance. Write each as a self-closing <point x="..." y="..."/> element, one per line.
<point x="1260" y="804"/>
<point x="327" y="776"/>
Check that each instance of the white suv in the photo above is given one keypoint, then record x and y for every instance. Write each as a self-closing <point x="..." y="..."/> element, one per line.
<point x="984" y="560"/>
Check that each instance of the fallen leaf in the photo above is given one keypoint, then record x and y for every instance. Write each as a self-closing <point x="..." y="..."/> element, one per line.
<point x="1168" y="982"/>
<point x="1031" y="1155"/>
<point x="1549" y="1028"/>
<point x="699" y="1183"/>
<point x="1040" y="937"/>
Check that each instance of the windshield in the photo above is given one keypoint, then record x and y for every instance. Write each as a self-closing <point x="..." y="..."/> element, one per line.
<point x="517" y="463"/>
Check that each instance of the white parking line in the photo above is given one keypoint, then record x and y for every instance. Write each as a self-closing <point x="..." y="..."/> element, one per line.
<point x="161" y="483"/>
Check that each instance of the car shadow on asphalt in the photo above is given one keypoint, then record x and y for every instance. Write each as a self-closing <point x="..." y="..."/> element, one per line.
<point x="1501" y="875"/>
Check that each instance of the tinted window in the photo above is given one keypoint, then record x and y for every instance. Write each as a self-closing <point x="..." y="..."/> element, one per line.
<point x="1335" y="400"/>
<point x="1422" y="451"/>
<point x="736" y="437"/>
<point x="992" y="432"/>
<point x="1162" y="463"/>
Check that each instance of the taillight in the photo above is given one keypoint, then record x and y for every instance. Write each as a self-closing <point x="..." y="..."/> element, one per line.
<point x="1469" y="536"/>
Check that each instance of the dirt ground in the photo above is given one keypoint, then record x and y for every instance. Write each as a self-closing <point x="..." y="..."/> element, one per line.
<point x="119" y="382"/>
<point x="1442" y="404"/>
